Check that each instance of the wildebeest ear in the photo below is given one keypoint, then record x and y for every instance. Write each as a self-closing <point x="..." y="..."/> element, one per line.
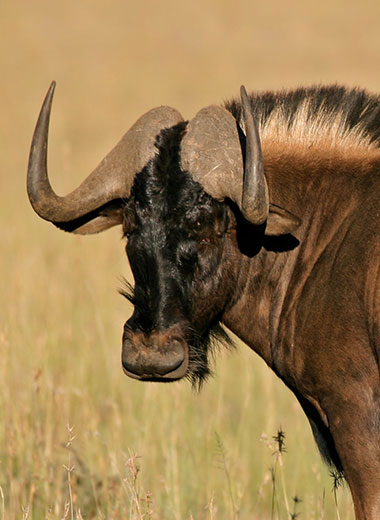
<point x="280" y="221"/>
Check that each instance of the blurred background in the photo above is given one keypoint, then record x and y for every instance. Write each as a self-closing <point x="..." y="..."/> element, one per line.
<point x="77" y="438"/>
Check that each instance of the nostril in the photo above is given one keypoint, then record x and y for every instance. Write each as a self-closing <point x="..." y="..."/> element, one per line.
<point x="167" y="362"/>
<point x="131" y="367"/>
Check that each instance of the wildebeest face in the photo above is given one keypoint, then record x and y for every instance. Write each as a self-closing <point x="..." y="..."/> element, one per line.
<point x="179" y="246"/>
<point x="177" y="237"/>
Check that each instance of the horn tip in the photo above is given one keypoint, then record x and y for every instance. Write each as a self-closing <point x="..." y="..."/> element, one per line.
<point x="52" y="87"/>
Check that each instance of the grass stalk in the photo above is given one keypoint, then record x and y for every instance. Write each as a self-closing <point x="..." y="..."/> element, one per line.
<point x="69" y="469"/>
<point x="2" y="504"/>
<point x="225" y="467"/>
<point x="337" y="482"/>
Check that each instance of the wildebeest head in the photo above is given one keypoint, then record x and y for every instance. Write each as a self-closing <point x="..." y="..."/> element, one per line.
<point x="178" y="189"/>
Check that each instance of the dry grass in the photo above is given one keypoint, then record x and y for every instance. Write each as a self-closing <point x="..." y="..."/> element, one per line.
<point x="77" y="438"/>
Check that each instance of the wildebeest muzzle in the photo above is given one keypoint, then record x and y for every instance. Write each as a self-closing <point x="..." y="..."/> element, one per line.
<point x="155" y="356"/>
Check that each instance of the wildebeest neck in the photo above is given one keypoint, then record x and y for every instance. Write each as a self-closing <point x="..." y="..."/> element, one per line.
<point x="329" y="192"/>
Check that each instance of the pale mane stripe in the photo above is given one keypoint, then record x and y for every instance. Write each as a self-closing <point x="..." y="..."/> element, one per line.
<point x="333" y="116"/>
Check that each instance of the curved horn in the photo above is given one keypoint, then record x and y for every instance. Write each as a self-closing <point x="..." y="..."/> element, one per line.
<point x="255" y="198"/>
<point x="212" y="153"/>
<point x="111" y="180"/>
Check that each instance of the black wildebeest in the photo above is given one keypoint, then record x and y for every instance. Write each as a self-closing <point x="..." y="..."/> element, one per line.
<point x="263" y="215"/>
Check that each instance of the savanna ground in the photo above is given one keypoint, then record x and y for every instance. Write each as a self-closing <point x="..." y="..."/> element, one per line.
<point x="77" y="438"/>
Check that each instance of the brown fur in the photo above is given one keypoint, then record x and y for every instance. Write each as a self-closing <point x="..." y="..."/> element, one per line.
<point x="314" y="312"/>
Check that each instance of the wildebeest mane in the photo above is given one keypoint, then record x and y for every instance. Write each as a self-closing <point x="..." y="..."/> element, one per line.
<point x="334" y="115"/>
